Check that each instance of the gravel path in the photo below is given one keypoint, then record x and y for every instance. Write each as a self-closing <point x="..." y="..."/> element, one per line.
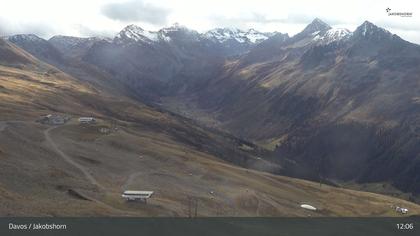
<point x="68" y="159"/>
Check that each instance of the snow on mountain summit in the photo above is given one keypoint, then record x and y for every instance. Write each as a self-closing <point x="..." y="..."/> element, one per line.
<point x="370" y="31"/>
<point x="136" y="33"/>
<point x="318" y="30"/>
<point x="24" y="37"/>
<point x="331" y="35"/>
<point x="316" y="25"/>
<point x="226" y="34"/>
<point x="175" y="27"/>
<point x="256" y="36"/>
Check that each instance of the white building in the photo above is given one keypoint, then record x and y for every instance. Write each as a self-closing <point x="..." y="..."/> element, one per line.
<point x="308" y="207"/>
<point x="401" y="210"/>
<point x="130" y="195"/>
<point x="87" y="120"/>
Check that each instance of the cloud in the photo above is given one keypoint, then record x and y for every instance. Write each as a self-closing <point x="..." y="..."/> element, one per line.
<point x="38" y="28"/>
<point x="291" y="23"/>
<point x="106" y="17"/>
<point x="88" y="32"/>
<point x="260" y="18"/>
<point x="242" y="21"/>
<point x="136" y="10"/>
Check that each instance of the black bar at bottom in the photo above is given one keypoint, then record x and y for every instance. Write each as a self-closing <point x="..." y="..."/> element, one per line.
<point x="210" y="226"/>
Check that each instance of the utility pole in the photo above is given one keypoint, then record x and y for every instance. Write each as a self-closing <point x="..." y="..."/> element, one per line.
<point x="321" y="169"/>
<point x="189" y="206"/>
<point x="113" y="124"/>
<point x="196" y="207"/>
<point x="192" y="203"/>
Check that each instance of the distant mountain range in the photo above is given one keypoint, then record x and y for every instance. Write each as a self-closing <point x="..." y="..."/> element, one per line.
<point x="333" y="104"/>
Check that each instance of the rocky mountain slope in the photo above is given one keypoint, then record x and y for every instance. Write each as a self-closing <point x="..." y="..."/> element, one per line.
<point x="38" y="47"/>
<point x="74" y="47"/>
<point x="343" y="104"/>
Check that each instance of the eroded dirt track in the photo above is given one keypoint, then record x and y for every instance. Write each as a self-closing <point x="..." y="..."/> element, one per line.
<point x="68" y="159"/>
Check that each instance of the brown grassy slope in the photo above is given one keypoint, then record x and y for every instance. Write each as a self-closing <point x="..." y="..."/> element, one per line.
<point x="12" y="55"/>
<point x="35" y="181"/>
<point x="176" y="172"/>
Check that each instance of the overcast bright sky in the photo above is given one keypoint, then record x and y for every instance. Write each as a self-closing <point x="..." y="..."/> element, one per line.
<point x="106" y="17"/>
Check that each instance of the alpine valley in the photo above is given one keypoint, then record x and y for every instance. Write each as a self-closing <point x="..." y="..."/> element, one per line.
<point x="246" y="123"/>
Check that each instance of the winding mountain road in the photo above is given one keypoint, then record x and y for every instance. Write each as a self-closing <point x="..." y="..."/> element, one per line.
<point x="49" y="139"/>
<point x="68" y="159"/>
<point x="84" y="170"/>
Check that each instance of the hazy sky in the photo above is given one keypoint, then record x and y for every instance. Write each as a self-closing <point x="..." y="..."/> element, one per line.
<point x="106" y="17"/>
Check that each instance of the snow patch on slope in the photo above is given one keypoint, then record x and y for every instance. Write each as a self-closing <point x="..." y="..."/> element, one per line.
<point x="331" y="35"/>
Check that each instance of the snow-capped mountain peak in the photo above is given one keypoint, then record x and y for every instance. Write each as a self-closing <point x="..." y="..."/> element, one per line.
<point x="255" y="36"/>
<point x="24" y="37"/>
<point x="369" y="30"/>
<point x="73" y="41"/>
<point x="222" y="35"/>
<point x="136" y="34"/>
<point x="316" y="25"/>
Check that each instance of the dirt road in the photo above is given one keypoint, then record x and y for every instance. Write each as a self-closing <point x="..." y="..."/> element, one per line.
<point x="130" y="179"/>
<point x="2" y="125"/>
<point x="68" y="159"/>
<point x="84" y="170"/>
